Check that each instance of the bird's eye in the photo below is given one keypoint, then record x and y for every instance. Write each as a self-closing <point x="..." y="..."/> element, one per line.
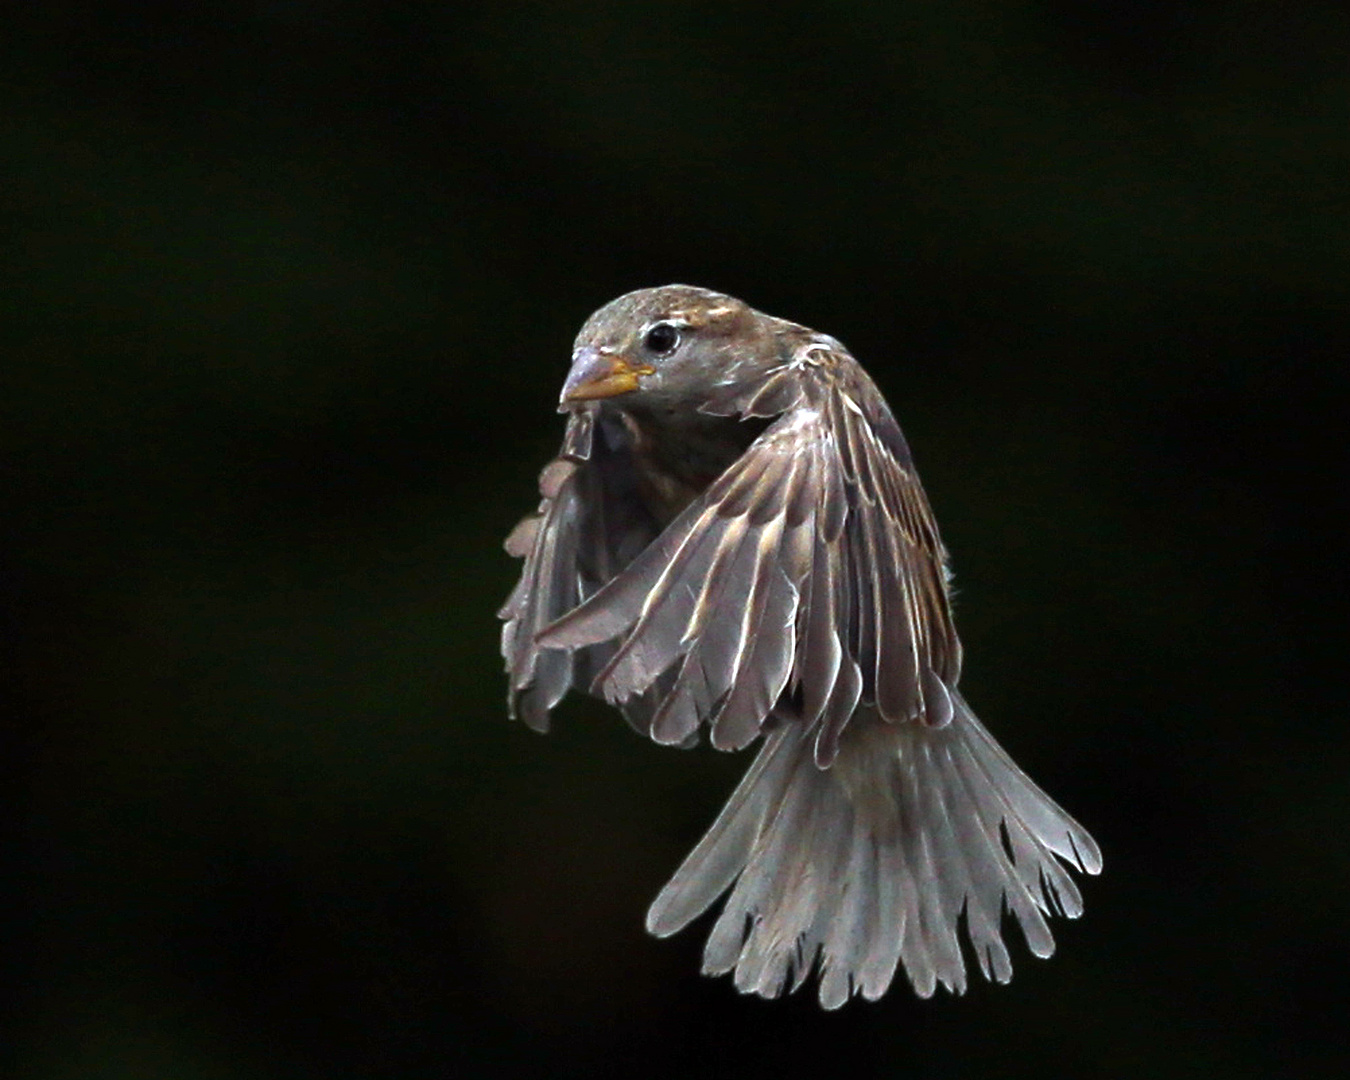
<point x="662" y="339"/>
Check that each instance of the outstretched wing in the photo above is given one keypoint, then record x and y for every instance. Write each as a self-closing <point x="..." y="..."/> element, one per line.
<point x="807" y="578"/>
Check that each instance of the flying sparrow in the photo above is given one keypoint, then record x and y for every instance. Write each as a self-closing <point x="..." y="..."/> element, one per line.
<point x="733" y="538"/>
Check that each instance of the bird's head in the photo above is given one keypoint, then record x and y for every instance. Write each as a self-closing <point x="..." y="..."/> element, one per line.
<point x="664" y="343"/>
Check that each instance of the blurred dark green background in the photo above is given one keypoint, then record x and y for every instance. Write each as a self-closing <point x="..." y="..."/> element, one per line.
<point x="288" y="292"/>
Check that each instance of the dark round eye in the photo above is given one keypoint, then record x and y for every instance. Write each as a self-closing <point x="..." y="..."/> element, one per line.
<point x="662" y="339"/>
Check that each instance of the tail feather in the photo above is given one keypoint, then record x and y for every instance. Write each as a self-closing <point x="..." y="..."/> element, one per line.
<point x="725" y="849"/>
<point x="845" y="935"/>
<point x="871" y="863"/>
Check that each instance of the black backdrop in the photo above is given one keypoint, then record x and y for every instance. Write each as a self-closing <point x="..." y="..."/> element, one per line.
<point x="289" y="289"/>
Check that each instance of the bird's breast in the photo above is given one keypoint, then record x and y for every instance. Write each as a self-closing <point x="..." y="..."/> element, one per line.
<point x="677" y="454"/>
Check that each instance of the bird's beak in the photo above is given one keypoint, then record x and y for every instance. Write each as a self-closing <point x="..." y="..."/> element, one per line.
<point x="600" y="375"/>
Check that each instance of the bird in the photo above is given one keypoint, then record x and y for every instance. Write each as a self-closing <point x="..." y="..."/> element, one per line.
<point x="733" y="542"/>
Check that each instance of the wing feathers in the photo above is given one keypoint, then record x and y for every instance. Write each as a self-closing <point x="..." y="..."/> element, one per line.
<point x="810" y="564"/>
<point x="897" y="658"/>
<point x="709" y="666"/>
<point x="540" y="678"/>
<point x="657" y="639"/>
<point x="618" y="604"/>
<point x="822" y="652"/>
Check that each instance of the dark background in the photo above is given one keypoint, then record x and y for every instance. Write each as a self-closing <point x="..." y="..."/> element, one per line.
<point x="288" y="293"/>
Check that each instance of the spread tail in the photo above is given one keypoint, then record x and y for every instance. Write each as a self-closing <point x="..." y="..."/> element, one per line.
<point x="872" y="862"/>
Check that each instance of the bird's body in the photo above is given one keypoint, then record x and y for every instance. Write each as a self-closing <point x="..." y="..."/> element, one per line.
<point x="734" y="538"/>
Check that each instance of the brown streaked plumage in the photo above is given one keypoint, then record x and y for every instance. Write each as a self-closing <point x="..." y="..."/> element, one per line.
<point x="733" y="538"/>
